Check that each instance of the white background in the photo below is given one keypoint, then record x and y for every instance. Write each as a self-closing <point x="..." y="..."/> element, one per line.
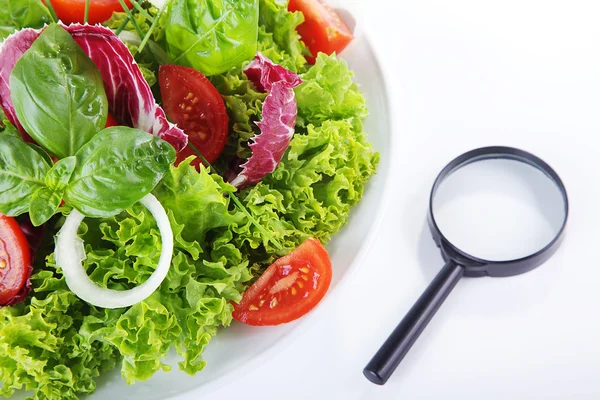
<point x="463" y="74"/>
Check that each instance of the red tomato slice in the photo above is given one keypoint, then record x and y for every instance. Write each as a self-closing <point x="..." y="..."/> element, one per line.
<point x="196" y="106"/>
<point x="322" y="29"/>
<point x="72" y="11"/>
<point x="111" y="121"/>
<point x="14" y="259"/>
<point x="289" y="288"/>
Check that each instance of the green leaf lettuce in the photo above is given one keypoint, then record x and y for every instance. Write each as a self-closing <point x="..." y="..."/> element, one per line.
<point x="56" y="344"/>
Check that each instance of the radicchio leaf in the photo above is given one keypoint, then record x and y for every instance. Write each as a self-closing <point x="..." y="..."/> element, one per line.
<point x="278" y="123"/>
<point x="264" y="73"/>
<point x="129" y="96"/>
<point x="11" y="51"/>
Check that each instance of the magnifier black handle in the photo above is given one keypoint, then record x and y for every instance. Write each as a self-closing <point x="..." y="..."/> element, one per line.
<point x="385" y="361"/>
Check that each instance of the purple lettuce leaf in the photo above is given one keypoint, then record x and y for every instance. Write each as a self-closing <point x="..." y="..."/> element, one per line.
<point x="278" y="119"/>
<point x="11" y="51"/>
<point x="263" y="73"/>
<point x="129" y="96"/>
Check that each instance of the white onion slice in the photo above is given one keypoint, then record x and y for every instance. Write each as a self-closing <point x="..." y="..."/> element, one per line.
<point x="69" y="254"/>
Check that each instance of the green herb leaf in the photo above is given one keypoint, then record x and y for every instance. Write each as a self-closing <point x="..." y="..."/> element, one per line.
<point x="18" y="14"/>
<point x="44" y="204"/>
<point x="116" y="169"/>
<point x="35" y="147"/>
<point x="58" y="93"/>
<point x="212" y="36"/>
<point x="60" y="174"/>
<point x="22" y="172"/>
<point x="8" y="128"/>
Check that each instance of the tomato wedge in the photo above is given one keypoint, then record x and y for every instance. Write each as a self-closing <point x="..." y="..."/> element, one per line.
<point x="14" y="259"/>
<point x="111" y="121"/>
<point x="291" y="287"/>
<point x="196" y="106"/>
<point x="72" y="11"/>
<point x="322" y="29"/>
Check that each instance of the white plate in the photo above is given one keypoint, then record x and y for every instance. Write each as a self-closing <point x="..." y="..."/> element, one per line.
<point x="240" y="348"/>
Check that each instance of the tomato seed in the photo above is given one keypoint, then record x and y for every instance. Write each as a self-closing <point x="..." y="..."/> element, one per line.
<point x="300" y="284"/>
<point x="2" y="264"/>
<point x="189" y="95"/>
<point x="252" y="307"/>
<point x="294" y="291"/>
<point x="274" y="302"/>
<point x="304" y="277"/>
<point x="194" y="100"/>
<point x="305" y="270"/>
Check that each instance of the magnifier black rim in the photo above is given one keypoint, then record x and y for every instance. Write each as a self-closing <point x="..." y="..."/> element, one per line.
<point x="490" y="153"/>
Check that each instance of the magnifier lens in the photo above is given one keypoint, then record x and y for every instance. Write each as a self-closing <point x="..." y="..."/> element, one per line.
<point x="499" y="209"/>
<point x="495" y="211"/>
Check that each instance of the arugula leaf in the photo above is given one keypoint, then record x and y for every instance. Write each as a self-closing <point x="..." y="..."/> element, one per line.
<point x="212" y="36"/>
<point x="22" y="172"/>
<point x="115" y="169"/>
<point x="18" y="14"/>
<point x="58" y="93"/>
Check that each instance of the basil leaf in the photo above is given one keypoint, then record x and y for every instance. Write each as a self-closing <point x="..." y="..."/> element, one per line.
<point x="22" y="172"/>
<point x="9" y="129"/>
<point x="58" y="93"/>
<point x="212" y="36"/>
<point x="37" y="148"/>
<point x="59" y="175"/>
<point x="18" y="14"/>
<point x="44" y="204"/>
<point x="116" y="169"/>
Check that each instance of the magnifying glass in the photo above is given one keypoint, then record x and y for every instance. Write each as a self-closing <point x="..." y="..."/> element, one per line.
<point x="494" y="211"/>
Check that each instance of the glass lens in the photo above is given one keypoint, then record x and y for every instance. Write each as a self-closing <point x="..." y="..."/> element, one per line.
<point x="499" y="209"/>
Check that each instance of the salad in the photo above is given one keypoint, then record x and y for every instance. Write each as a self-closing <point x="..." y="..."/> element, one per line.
<point x="164" y="169"/>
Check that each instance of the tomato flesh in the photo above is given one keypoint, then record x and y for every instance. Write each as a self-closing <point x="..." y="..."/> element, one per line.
<point x="72" y="11"/>
<point x="196" y="106"/>
<point x="111" y="121"/>
<point x="322" y="29"/>
<point x="14" y="259"/>
<point x="291" y="287"/>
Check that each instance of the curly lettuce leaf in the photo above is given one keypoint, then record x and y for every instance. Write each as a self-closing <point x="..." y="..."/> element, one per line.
<point x="322" y="176"/>
<point x="56" y="345"/>
<point x="329" y="93"/>
<point x="325" y="169"/>
<point x="277" y="37"/>
<point x="68" y="343"/>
